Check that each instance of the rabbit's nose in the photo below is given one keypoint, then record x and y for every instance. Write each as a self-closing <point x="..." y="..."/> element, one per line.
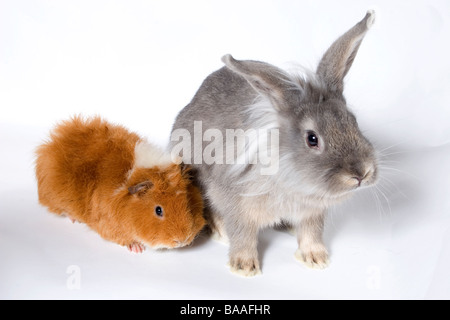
<point x="359" y="180"/>
<point x="361" y="177"/>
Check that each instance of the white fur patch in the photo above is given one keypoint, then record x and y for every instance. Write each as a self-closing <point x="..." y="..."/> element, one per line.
<point x="263" y="117"/>
<point x="222" y="238"/>
<point x="263" y="114"/>
<point x="148" y="155"/>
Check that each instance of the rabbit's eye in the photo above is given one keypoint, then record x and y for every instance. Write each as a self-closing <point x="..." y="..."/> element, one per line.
<point x="312" y="140"/>
<point x="158" y="211"/>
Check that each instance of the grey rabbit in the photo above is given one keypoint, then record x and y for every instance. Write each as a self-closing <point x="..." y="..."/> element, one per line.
<point x="320" y="156"/>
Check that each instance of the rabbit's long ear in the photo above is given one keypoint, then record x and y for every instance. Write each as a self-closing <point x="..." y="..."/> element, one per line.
<point x="268" y="80"/>
<point x="338" y="59"/>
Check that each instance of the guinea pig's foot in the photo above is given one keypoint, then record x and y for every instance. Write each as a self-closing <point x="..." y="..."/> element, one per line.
<point x="63" y="214"/>
<point x="246" y="267"/>
<point x="316" y="258"/>
<point x="73" y="220"/>
<point x="136" y="247"/>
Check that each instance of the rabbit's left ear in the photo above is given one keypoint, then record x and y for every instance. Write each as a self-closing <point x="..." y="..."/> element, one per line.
<point x="267" y="80"/>
<point x="338" y="59"/>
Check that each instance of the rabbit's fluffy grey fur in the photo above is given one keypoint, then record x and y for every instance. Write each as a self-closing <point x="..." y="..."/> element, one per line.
<point x="322" y="155"/>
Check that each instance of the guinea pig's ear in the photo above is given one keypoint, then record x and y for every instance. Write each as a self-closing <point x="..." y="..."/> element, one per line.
<point x="143" y="186"/>
<point x="185" y="168"/>
<point x="187" y="171"/>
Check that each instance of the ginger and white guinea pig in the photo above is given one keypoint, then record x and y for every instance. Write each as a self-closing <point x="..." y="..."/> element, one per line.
<point x="127" y="190"/>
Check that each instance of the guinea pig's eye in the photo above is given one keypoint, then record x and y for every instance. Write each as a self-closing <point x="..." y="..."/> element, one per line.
<point x="312" y="140"/>
<point x="158" y="211"/>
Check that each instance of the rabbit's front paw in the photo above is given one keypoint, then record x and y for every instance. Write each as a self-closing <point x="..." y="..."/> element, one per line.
<point x="314" y="257"/>
<point x="247" y="267"/>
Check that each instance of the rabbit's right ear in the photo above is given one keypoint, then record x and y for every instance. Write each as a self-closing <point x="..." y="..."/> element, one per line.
<point x="268" y="80"/>
<point x="338" y="59"/>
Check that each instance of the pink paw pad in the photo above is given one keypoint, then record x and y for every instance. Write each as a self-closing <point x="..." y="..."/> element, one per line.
<point x="136" y="247"/>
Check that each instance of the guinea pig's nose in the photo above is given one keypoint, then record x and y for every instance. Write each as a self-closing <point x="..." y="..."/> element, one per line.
<point x="179" y="244"/>
<point x="182" y="242"/>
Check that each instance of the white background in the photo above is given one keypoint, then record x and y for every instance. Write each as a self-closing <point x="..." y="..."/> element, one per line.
<point x="138" y="63"/>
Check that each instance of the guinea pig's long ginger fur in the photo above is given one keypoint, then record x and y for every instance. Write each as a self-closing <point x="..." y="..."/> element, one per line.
<point x="126" y="189"/>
